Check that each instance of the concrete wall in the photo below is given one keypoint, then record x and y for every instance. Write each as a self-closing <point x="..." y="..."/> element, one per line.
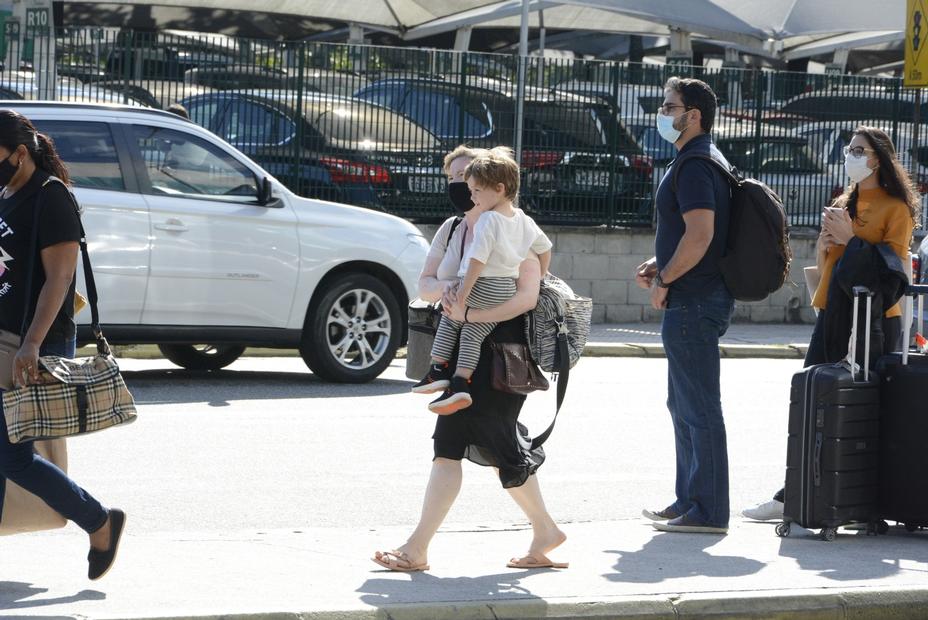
<point x="600" y="263"/>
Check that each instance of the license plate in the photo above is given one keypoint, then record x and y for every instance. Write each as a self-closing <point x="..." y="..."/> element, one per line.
<point x="592" y="178"/>
<point x="426" y="185"/>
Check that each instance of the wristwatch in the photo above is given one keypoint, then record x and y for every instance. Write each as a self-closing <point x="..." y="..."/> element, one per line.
<point x="660" y="281"/>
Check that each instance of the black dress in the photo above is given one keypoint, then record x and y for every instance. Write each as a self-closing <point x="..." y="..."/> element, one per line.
<point x="488" y="432"/>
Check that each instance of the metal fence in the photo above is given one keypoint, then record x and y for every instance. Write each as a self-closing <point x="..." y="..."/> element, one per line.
<point x="370" y="125"/>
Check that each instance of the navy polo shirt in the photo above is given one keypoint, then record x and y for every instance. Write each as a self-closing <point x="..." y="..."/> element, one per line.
<point x="699" y="186"/>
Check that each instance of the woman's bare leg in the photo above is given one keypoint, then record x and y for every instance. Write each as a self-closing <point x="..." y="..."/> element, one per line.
<point x="443" y="488"/>
<point x="546" y="534"/>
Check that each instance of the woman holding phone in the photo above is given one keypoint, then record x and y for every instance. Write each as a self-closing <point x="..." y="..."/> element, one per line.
<point x="879" y="206"/>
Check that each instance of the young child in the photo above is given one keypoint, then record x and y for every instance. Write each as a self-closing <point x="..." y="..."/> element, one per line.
<point x="503" y="236"/>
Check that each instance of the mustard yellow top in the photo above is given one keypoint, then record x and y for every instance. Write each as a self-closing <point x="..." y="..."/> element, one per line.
<point x="881" y="218"/>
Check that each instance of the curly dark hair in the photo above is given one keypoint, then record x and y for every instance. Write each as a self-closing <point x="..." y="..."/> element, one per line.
<point x="16" y="130"/>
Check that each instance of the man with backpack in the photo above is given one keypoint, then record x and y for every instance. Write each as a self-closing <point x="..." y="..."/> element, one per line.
<point x="693" y="205"/>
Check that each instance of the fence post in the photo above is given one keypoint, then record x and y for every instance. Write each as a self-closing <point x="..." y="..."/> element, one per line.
<point x="520" y="109"/>
<point x="462" y="93"/>
<point x="758" y="118"/>
<point x="897" y="83"/>
<point x="126" y="64"/>
<point x="613" y="104"/>
<point x="298" y="139"/>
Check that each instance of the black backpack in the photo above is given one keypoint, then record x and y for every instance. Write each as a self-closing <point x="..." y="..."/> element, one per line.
<point x="757" y="255"/>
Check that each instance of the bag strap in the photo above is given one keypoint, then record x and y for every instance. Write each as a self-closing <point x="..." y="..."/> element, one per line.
<point x="454" y="225"/>
<point x="102" y="346"/>
<point x="33" y="254"/>
<point x="727" y="172"/>
<point x="562" y="358"/>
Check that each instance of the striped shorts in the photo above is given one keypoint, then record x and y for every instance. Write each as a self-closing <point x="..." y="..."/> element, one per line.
<point x="487" y="293"/>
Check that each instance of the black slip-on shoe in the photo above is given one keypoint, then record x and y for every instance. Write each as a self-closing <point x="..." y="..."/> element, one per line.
<point x="100" y="562"/>
<point x="687" y="525"/>
<point x="666" y="514"/>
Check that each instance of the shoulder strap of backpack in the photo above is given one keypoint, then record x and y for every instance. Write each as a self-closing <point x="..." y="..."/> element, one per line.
<point x="563" y="375"/>
<point x="678" y="164"/>
<point x="454" y="225"/>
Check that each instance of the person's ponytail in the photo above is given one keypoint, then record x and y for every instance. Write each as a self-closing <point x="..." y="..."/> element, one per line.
<point x="46" y="158"/>
<point x="16" y="130"/>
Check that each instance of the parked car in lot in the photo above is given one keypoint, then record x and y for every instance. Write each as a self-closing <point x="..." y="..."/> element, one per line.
<point x="199" y="250"/>
<point x="850" y="103"/>
<point x="828" y="139"/>
<point x="340" y="149"/>
<point x="568" y="166"/>
<point x="785" y="163"/>
<point x="245" y="77"/>
<point x="24" y="85"/>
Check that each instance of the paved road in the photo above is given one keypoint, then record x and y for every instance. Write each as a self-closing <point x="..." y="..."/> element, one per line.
<point x="264" y="445"/>
<point x="260" y="492"/>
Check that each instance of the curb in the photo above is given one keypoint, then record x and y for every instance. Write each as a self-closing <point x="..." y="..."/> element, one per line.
<point x="860" y="604"/>
<point x="601" y="349"/>
<point x="727" y="351"/>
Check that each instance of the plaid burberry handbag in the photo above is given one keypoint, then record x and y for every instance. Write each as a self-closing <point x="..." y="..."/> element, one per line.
<point x="72" y="396"/>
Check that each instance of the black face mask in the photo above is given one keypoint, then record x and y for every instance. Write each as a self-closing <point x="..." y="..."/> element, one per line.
<point x="7" y="170"/>
<point x="459" y="194"/>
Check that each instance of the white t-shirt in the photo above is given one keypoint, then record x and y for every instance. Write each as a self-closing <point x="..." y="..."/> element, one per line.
<point x="502" y="243"/>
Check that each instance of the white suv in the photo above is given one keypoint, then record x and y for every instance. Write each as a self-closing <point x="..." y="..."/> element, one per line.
<point x="197" y="249"/>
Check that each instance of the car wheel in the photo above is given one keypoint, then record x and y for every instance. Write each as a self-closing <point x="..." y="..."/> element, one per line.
<point x="201" y="356"/>
<point x="352" y="331"/>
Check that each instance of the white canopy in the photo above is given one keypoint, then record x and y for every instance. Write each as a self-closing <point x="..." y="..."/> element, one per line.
<point x="772" y="27"/>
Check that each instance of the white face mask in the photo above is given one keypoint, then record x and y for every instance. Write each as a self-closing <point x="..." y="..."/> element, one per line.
<point x="856" y="168"/>
<point x="666" y="129"/>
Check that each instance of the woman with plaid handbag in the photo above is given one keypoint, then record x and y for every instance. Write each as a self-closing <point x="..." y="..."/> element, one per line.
<point x="39" y="236"/>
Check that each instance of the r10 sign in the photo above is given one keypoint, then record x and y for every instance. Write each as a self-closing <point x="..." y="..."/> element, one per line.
<point x="38" y="20"/>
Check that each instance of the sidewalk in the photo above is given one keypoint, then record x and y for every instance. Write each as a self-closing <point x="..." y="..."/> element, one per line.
<point x="617" y="569"/>
<point x="743" y="340"/>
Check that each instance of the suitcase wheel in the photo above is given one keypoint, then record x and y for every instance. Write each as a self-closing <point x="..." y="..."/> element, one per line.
<point x="828" y="533"/>
<point x="782" y="529"/>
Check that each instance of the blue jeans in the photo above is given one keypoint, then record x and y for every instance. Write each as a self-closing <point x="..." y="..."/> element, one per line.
<point x="20" y="463"/>
<point x="690" y="331"/>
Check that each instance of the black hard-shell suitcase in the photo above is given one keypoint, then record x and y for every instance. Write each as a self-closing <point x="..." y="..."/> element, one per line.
<point x="904" y="431"/>
<point x="832" y="458"/>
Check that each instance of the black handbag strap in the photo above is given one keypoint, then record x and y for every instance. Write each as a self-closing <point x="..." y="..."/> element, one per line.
<point x="454" y="225"/>
<point x="563" y="376"/>
<point x="33" y="255"/>
<point x="102" y="346"/>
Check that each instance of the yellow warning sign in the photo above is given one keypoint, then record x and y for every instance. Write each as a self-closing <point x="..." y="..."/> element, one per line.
<point x="916" y="40"/>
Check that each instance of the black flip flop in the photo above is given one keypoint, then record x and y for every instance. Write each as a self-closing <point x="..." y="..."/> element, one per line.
<point x="100" y="562"/>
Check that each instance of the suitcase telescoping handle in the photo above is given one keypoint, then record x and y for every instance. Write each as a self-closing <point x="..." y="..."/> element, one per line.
<point x="858" y="291"/>
<point x="913" y="290"/>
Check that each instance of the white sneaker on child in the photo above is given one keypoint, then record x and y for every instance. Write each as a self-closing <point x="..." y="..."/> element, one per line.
<point x="768" y="511"/>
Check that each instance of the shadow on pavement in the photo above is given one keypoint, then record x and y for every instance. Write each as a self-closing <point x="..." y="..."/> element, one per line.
<point x="854" y="556"/>
<point x="19" y="595"/>
<point x="422" y="587"/>
<point x="168" y="386"/>
<point x="676" y="556"/>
